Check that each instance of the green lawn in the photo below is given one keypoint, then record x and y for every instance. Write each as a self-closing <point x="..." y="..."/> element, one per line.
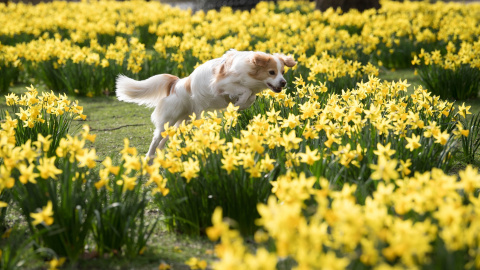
<point x="113" y="121"/>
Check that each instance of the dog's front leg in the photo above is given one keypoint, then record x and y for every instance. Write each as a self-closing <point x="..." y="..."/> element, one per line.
<point x="245" y="99"/>
<point x="249" y="101"/>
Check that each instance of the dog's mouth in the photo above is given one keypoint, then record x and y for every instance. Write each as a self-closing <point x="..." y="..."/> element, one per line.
<point x="274" y="89"/>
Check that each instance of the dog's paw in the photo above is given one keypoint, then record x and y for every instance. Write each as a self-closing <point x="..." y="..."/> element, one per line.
<point x="233" y="98"/>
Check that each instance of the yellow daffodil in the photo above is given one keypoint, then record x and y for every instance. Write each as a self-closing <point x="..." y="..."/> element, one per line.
<point x="164" y="266"/>
<point x="191" y="168"/>
<point x="309" y="157"/>
<point x="44" y="216"/>
<point x="385" y="169"/>
<point x="384" y="151"/>
<point x="195" y="263"/>
<point x="128" y="183"/>
<point x="47" y="168"/>
<point x="413" y="142"/>
<point x="464" y="110"/>
<point x="54" y="264"/>
<point x="27" y="173"/>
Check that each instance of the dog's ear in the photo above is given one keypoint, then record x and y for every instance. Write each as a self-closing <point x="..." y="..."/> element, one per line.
<point x="260" y="59"/>
<point x="287" y="60"/>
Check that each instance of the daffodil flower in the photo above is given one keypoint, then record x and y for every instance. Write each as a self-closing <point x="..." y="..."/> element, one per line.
<point x="44" y="216"/>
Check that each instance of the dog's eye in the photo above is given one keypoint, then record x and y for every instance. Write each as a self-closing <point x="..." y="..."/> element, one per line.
<point x="272" y="72"/>
<point x="283" y="72"/>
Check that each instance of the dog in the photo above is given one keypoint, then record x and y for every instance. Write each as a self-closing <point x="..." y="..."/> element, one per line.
<point x="236" y="77"/>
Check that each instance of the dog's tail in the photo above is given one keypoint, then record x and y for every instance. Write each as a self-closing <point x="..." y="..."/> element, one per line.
<point x="148" y="92"/>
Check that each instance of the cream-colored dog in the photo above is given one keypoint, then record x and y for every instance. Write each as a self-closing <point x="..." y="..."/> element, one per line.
<point x="236" y="77"/>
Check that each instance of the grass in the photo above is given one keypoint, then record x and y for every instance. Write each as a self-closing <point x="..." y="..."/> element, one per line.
<point x="113" y="121"/>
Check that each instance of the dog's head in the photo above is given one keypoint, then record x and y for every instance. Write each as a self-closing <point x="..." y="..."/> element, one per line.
<point x="269" y="69"/>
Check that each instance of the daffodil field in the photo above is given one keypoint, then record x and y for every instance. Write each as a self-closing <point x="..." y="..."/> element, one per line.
<point x="340" y="170"/>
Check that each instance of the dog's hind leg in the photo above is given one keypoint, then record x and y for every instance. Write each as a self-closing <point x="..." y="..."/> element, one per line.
<point x="157" y="137"/>
<point x="170" y="112"/>
<point x="164" y="140"/>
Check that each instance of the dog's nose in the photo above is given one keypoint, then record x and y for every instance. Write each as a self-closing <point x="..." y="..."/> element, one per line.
<point x="283" y="83"/>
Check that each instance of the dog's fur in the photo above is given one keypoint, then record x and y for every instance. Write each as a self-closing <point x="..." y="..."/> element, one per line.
<point x="236" y="77"/>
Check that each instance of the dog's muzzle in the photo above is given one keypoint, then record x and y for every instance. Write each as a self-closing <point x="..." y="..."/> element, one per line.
<point x="277" y="89"/>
